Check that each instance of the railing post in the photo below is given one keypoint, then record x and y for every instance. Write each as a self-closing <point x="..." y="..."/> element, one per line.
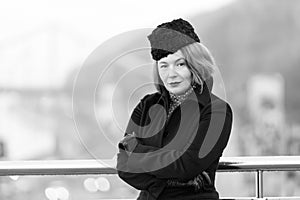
<point x="259" y="184"/>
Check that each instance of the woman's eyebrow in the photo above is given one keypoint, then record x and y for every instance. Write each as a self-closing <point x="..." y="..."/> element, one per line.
<point x="163" y="62"/>
<point x="180" y="59"/>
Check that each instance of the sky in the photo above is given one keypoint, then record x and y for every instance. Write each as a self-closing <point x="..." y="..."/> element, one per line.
<point x="83" y="26"/>
<point x="97" y="19"/>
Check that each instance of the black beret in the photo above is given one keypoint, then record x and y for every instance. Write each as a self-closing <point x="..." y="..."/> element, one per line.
<point x="169" y="37"/>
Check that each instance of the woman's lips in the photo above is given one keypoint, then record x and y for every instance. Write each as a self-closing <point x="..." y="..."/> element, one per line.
<point x="174" y="84"/>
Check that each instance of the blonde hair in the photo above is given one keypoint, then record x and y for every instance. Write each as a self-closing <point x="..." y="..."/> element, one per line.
<point x="199" y="61"/>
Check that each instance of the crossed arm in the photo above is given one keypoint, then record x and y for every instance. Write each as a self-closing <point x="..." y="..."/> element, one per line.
<point x="212" y="134"/>
<point x="185" y="161"/>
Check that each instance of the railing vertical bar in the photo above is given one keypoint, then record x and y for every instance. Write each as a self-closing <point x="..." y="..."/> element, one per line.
<point x="259" y="184"/>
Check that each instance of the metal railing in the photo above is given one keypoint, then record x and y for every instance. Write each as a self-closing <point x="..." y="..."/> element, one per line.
<point x="89" y="167"/>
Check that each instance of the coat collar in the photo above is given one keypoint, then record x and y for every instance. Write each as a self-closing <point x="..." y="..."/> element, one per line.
<point x="203" y="98"/>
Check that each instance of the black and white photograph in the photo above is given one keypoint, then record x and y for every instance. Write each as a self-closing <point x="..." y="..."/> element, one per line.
<point x="150" y="100"/>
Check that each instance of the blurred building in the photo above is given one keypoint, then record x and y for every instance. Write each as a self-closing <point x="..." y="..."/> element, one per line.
<point x="266" y="99"/>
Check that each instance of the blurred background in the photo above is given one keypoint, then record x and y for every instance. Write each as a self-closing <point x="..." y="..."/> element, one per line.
<point x="54" y="106"/>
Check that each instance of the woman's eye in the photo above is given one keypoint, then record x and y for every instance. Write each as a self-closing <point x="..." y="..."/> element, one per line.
<point x="181" y="64"/>
<point x="163" y="66"/>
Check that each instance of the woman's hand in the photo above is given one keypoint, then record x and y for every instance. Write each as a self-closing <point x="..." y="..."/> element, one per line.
<point x="198" y="182"/>
<point x="128" y="143"/>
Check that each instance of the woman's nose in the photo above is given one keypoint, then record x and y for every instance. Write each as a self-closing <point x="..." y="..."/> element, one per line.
<point x="172" y="72"/>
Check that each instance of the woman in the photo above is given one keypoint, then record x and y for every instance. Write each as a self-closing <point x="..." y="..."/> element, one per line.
<point x="176" y="136"/>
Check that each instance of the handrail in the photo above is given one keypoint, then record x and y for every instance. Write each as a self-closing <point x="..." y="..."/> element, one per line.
<point x="263" y="163"/>
<point x="56" y="167"/>
<point x="81" y="167"/>
<point x="85" y="167"/>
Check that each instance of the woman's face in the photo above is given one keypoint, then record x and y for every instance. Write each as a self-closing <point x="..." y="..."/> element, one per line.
<point x="174" y="73"/>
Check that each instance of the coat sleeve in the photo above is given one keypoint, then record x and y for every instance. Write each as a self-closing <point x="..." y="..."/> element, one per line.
<point x="200" y="153"/>
<point x="140" y="181"/>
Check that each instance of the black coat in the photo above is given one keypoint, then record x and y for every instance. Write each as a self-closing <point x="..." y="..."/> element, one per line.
<point x="191" y="141"/>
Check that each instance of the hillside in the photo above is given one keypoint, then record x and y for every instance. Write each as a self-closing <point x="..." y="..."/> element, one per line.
<point x="255" y="36"/>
